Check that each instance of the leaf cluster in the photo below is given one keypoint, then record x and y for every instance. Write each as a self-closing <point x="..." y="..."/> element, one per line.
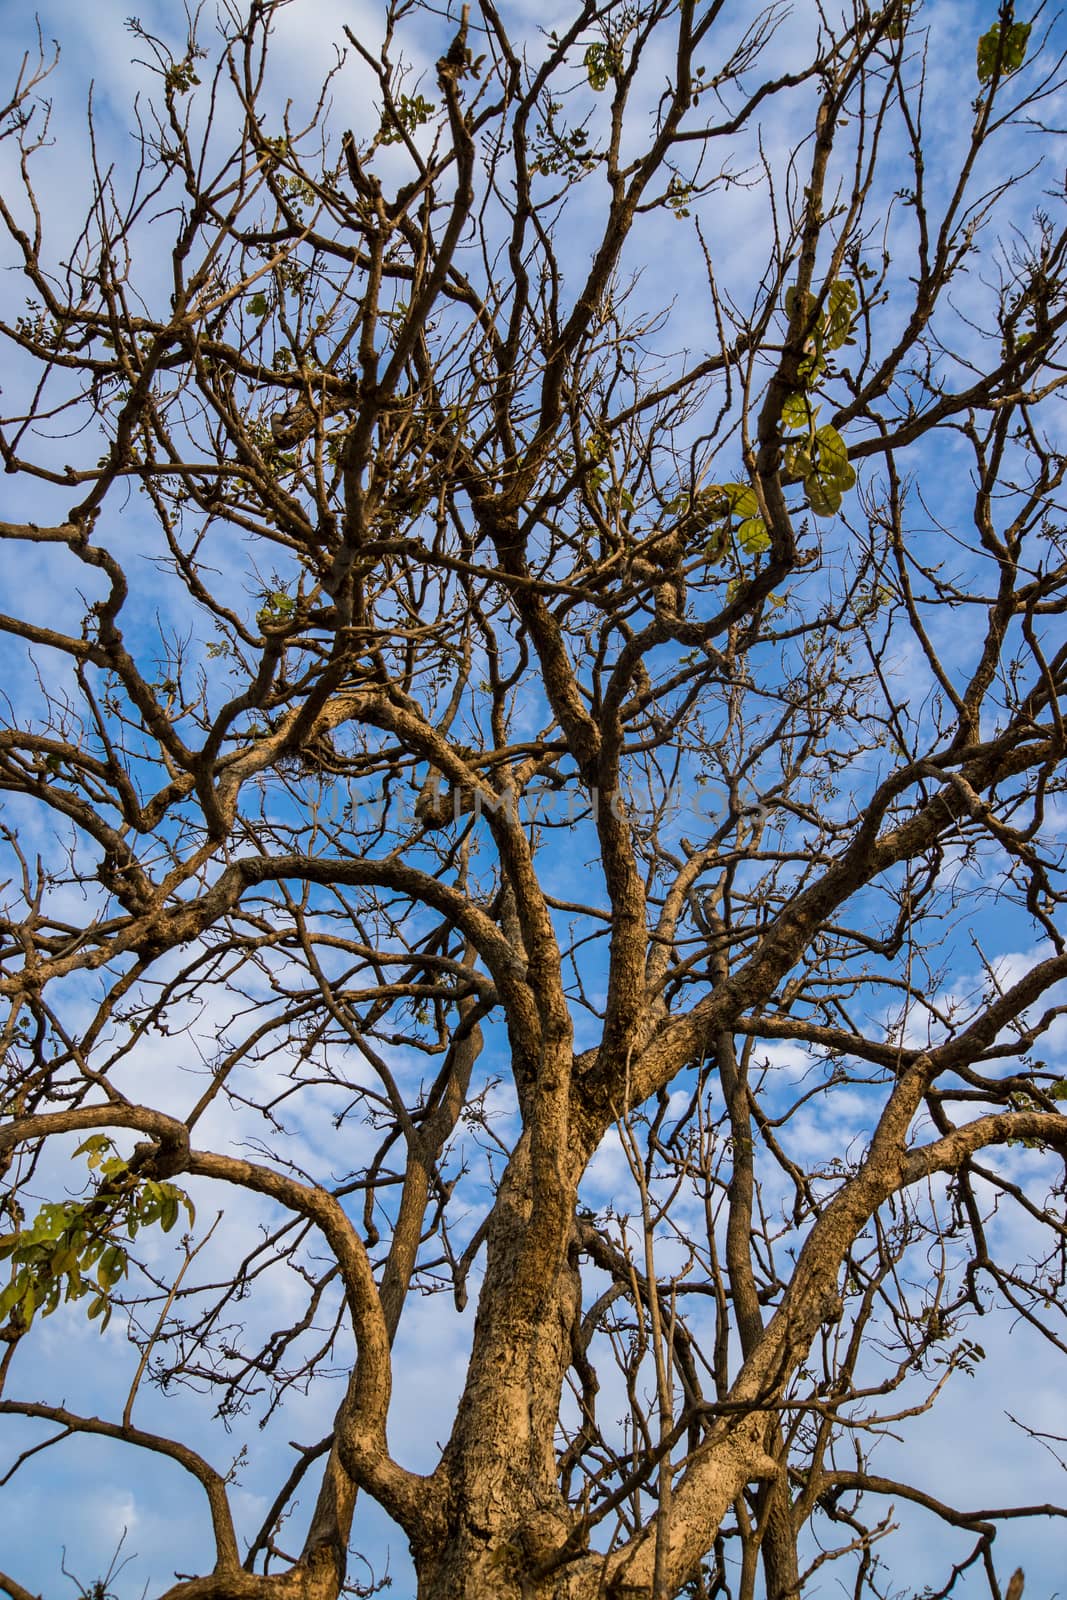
<point x="820" y="459"/>
<point x="75" y="1248"/>
<point x="1002" y="50"/>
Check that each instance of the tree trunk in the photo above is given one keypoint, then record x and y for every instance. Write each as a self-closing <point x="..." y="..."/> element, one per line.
<point x="504" y="1511"/>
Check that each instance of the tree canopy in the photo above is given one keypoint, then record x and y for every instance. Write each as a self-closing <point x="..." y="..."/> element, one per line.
<point x="532" y="753"/>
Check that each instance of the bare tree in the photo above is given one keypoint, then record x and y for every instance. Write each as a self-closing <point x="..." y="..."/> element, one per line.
<point x="465" y="696"/>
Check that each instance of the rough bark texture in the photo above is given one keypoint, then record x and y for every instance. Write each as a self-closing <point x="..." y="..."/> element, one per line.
<point x="510" y="760"/>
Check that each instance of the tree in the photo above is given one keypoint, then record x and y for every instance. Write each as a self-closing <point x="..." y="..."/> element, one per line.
<point x="483" y="709"/>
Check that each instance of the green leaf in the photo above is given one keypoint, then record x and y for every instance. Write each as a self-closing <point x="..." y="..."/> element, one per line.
<point x="600" y="64"/>
<point x="834" y="465"/>
<point x="823" y="498"/>
<point x="181" y="76"/>
<point x="64" y="1261"/>
<point x="824" y="469"/>
<point x="798" y="412"/>
<point x="795" y="305"/>
<point x="411" y="112"/>
<point x="97" y="1146"/>
<point x="92" y="1253"/>
<point x="743" y="502"/>
<point x="11" y="1297"/>
<point x="811" y="369"/>
<point x="112" y="1267"/>
<point x="1005" y="52"/>
<point x="842" y="303"/>
<point x="68" y="1240"/>
<point x="278" y="607"/>
<point x="798" y="463"/>
<point x="753" y="536"/>
<point x="257" y="305"/>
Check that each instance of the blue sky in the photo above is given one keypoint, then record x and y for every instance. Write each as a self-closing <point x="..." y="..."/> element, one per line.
<point x="83" y="1494"/>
